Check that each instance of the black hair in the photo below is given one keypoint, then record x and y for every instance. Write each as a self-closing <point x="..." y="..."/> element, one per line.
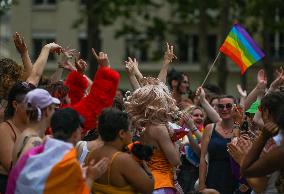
<point x="175" y="75"/>
<point x="111" y="121"/>
<point x="228" y="96"/>
<point x="212" y="88"/>
<point x="64" y="122"/>
<point x="118" y="103"/>
<point x="17" y="92"/>
<point x="274" y="104"/>
<point x="142" y="152"/>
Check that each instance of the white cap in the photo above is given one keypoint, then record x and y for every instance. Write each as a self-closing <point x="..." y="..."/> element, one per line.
<point x="40" y="98"/>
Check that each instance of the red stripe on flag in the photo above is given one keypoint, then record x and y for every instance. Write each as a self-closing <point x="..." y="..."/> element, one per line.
<point x="234" y="54"/>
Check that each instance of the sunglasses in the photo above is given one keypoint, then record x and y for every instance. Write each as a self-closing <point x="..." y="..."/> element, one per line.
<point x="222" y="106"/>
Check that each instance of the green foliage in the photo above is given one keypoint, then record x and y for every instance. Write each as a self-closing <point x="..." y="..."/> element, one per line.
<point x="5" y="5"/>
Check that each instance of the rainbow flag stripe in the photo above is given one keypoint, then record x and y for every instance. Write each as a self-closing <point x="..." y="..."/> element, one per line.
<point x="51" y="168"/>
<point x="241" y="48"/>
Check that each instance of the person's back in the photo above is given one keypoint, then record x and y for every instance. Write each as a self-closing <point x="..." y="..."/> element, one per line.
<point x="165" y="155"/>
<point x="124" y="174"/>
<point x="114" y="179"/>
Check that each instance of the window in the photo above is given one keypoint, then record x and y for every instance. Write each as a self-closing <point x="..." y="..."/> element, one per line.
<point x="39" y="41"/>
<point x="83" y="44"/>
<point x="183" y="48"/>
<point x="44" y="2"/>
<point x="187" y="48"/>
<point x="277" y="45"/>
<point x="212" y="46"/>
<point x="136" y="49"/>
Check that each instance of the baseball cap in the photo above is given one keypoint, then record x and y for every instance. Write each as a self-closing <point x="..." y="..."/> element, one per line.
<point x="40" y="98"/>
<point x="65" y="121"/>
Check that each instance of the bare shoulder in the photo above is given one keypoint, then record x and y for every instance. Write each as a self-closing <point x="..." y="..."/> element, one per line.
<point x="5" y="130"/>
<point x="35" y="141"/>
<point x="158" y="130"/>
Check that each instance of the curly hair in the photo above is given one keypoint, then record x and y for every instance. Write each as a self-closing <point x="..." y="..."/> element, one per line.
<point x="58" y="90"/>
<point x="10" y="73"/>
<point x="152" y="103"/>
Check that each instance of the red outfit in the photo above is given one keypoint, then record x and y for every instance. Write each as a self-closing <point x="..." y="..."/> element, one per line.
<point x="101" y="94"/>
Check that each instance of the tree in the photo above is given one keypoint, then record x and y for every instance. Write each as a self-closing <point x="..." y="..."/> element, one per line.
<point x="101" y="13"/>
<point x="269" y="16"/>
<point x="222" y="68"/>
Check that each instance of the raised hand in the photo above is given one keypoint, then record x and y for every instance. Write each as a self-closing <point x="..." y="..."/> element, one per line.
<point x="243" y="93"/>
<point x="187" y="119"/>
<point x="270" y="129"/>
<point x="200" y="94"/>
<point x="71" y="53"/>
<point x="81" y="66"/>
<point x="130" y="66"/>
<point x="102" y="58"/>
<point x="238" y="114"/>
<point x="261" y="80"/>
<point x="169" y="54"/>
<point x="20" y="43"/>
<point x="279" y="79"/>
<point x="54" y="48"/>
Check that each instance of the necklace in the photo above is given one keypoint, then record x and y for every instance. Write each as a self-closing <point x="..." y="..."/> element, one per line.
<point x="226" y="131"/>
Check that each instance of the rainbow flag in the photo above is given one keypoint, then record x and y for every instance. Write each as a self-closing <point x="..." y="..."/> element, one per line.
<point x="51" y="168"/>
<point x="241" y="48"/>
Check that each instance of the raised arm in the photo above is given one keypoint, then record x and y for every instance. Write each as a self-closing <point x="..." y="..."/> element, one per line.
<point x="40" y="63"/>
<point x="168" y="57"/>
<point x="210" y="111"/>
<point x="23" y="50"/>
<point x="238" y="153"/>
<point x="253" y="165"/>
<point x="130" y="66"/>
<point x="279" y="81"/>
<point x="166" y="145"/>
<point x="260" y="88"/>
<point x="102" y="92"/>
<point x="76" y="82"/>
<point x="243" y="95"/>
<point x="203" y="163"/>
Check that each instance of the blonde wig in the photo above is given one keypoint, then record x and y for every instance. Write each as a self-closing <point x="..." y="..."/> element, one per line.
<point x="151" y="104"/>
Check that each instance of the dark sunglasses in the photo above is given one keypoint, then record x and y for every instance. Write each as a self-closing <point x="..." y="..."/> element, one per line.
<point x="222" y="106"/>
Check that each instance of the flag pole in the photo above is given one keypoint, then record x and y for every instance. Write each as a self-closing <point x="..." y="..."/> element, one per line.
<point x="210" y="69"/>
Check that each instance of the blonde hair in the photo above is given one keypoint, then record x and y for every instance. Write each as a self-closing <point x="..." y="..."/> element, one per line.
<point x="151" y="104"/>
<point x="192" y="108"/>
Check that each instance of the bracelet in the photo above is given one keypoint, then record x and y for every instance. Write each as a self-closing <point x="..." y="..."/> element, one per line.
<point x="194" y="129"/>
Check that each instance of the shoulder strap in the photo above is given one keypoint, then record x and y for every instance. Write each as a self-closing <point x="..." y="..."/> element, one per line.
<point x="109" y="168"/>
<point x="13" y="130"/>
<point x="212" y="129"/>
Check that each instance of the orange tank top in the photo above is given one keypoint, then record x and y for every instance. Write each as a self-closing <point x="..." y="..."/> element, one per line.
<point x="162" y="170"/>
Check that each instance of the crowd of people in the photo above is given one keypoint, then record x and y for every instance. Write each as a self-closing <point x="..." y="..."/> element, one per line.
<point x="81" y="135"/>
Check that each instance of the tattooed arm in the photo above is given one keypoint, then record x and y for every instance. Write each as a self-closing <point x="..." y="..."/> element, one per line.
<point x="31" y="143"/>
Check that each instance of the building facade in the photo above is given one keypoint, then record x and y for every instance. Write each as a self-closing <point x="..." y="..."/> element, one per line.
<point x="44" y="21"/>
